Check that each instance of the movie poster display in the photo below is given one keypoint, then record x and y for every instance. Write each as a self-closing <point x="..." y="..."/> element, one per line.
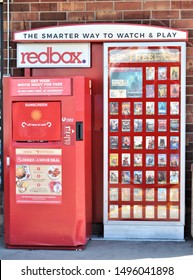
<point x="144" y="134"/>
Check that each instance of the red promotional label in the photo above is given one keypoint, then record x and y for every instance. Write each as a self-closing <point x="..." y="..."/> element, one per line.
<point x="41" y="87"/>
<point x="36" y="121"/>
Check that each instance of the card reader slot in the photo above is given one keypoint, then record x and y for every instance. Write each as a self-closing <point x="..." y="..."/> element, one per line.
<point x="79" y="131"/>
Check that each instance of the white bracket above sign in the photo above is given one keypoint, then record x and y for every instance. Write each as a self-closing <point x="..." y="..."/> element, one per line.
<point x="101" y="32"/>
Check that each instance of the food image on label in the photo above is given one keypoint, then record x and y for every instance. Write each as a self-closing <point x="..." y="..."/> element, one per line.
<point x="54" y="172"/>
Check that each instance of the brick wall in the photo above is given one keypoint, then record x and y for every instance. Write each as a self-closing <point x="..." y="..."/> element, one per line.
<point x="174" y="14"/>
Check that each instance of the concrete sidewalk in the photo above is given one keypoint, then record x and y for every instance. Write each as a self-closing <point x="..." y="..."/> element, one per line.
<point x="99" y="249"/>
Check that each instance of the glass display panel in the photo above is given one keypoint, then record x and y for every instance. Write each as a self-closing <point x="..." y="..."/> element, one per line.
<point x="144" y="116"/>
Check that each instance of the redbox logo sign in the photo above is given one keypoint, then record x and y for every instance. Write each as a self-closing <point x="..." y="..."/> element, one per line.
<point x="53" y="55"/>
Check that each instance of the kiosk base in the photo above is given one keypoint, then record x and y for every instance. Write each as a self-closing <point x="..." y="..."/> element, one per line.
<point x="69" y="248"/>
<point x="144" y="232"/>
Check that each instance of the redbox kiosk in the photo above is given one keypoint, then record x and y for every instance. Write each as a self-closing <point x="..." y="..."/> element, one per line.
<point x="47" y="159"/>
<point x="138" y="131"/>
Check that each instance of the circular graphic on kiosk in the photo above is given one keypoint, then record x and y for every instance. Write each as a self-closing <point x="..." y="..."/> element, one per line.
<point x="36" y="115"/>
<point x="54" y="172"/>
<point x="22" y="172"/>
<point x="55" y="187"/>
<point x="22" y="187"/>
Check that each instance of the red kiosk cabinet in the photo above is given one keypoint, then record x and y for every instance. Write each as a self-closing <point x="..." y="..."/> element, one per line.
<point x="47" y="161"/>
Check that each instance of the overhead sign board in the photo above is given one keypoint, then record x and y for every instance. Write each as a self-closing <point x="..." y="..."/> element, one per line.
<point x="100" y="32"/>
